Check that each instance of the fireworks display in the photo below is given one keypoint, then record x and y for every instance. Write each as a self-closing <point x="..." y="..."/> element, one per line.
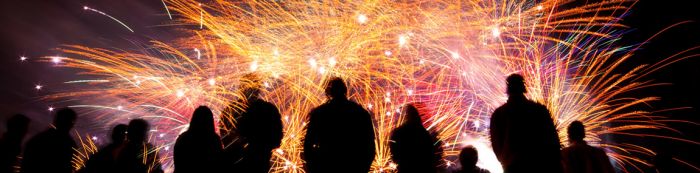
<point x="452" y="56"/>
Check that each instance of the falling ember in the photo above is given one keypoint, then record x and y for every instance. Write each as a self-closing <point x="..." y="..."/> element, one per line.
<point x="105" y="14"/>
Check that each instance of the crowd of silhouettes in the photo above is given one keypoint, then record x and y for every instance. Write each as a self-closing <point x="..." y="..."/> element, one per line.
<point x="340" y="137"/>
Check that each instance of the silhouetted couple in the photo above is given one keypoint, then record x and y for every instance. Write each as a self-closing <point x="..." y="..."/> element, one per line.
<point x="524" y="138"/>
<point x="132" y="153"/>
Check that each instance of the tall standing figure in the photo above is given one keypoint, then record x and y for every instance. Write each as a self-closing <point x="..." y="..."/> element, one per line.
<point x="523" y="135"/>
<point x="199" y="148"/>
<point x="138" y="156"/>
<point x="11" y="141"/>
<point x="413" y="148"/>
<point x="52" y="150"/>
<point x="340" y="134"/>
<point x="258" y="126"/>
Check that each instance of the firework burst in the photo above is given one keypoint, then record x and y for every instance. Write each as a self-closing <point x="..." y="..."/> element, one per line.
<point x="450" y="55"/>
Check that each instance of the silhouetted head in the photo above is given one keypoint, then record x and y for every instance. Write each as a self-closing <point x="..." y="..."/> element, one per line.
<point x="65" y="119"/>
<point x="516" y="84"/>
<point x="202" y="120"/>
<point x="468" y="156"/>
<point x="137" y="130"/>
<point x="411" y="114"/>
<point x="576" y="131"/>
<point x="119" y="133"/>
<point x="336" y="88"/>
<point x="250" y="86"/>
<point x="18" y="125"/>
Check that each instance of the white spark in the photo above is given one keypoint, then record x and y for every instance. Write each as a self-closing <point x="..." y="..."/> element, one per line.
<point x="105" y="14"/>
<point x="38" y="87"/>
<point x="22" y="58"/>
<point x="495" y="32"/>
<point x="212" y="82"/>
<point x="199" y="54"/>
<point x="362" y="18"/>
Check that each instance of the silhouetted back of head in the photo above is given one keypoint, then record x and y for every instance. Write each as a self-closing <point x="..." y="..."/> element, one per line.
<point x="468" y="156"/>
<point x="411" y="114"/>
<point x="137" y="130"/>
<point x="576" y="131"/>
<point x="250" y="86"/>
<point x="336" y="88"/>
<point x="202" y="120"/>
<point x="119" y="133"/>
<point x="65" y="119"/>
<point x="516" y="84"/>
<point x="18" y="124"/>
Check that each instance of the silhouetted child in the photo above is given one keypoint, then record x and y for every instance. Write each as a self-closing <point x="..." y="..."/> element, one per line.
<point x="468" y="158"/>
<point x="340" y="134"/>
<point x="104" y="161"/>
<point x="580" y="157"/>
<point x="523" y="135"/>
<point x="138" y="156"/>
<point x="52" y="150"/>
<point x="11" y="141"/>
<point x="413" y="148"/>
<point x="199" y="148"/>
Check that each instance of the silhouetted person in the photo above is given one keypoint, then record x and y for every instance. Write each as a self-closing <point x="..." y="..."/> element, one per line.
<point x="412" y="147"/>
<point x="138" y="156"/>
<point x="199" y="148"/>
<point x="11" y="141"/>
<point x="258" y="128"/>
<point x="580" y="157"/>
<point x="340" y="134"/>
<point x="468" y="158"/>
<point x="523" y="135"/>
<point x="104" y="161"/>
<point x="52" y="150"/>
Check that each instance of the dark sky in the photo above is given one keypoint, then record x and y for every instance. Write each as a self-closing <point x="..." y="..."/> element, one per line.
<point x="32" y="28"/>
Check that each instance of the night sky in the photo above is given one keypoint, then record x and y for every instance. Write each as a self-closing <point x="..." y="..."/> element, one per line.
<point x="32" y="28"/>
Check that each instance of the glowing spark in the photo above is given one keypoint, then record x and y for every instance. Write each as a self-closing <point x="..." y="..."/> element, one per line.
<point x="180" y="93"/>
<point x="403" y="39"/>
<point x="51" y="109"/>
<point x="455" y="55"/>
<point x="539" y="7"/>
<point x="166" y="10"/>
<point x="105" y="14"/>
<point x="94" y="138"/>
<point x="387" y="53"/>
<point x="254" y="66"/>
<point x="199" y="54"/>
<point x="362" y="18"/>
<point x="212" y="82"/>
<point x="120" y="107"/>
<point x="495" y="31"/>
<point x="38" y="87"/>
<point x="23" y="58"/>
<point x="56" y="59"/>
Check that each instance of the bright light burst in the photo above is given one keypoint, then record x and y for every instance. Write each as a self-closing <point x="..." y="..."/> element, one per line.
<point x="451" y="55"/>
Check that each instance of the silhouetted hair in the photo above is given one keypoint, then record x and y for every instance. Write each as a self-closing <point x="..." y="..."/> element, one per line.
<point x="202" y="120"/>
<point x="336" y="88"/>
<point x="516" y="84"/>
<point x="17" y="123"/>
<point x="119" y="133"/>
<point x="411" y="114"/>
<point x="468" y="156"/>
<point x="65" y="119"/>
<point x="137" y="130"/>
<point x="576" y="131"/>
